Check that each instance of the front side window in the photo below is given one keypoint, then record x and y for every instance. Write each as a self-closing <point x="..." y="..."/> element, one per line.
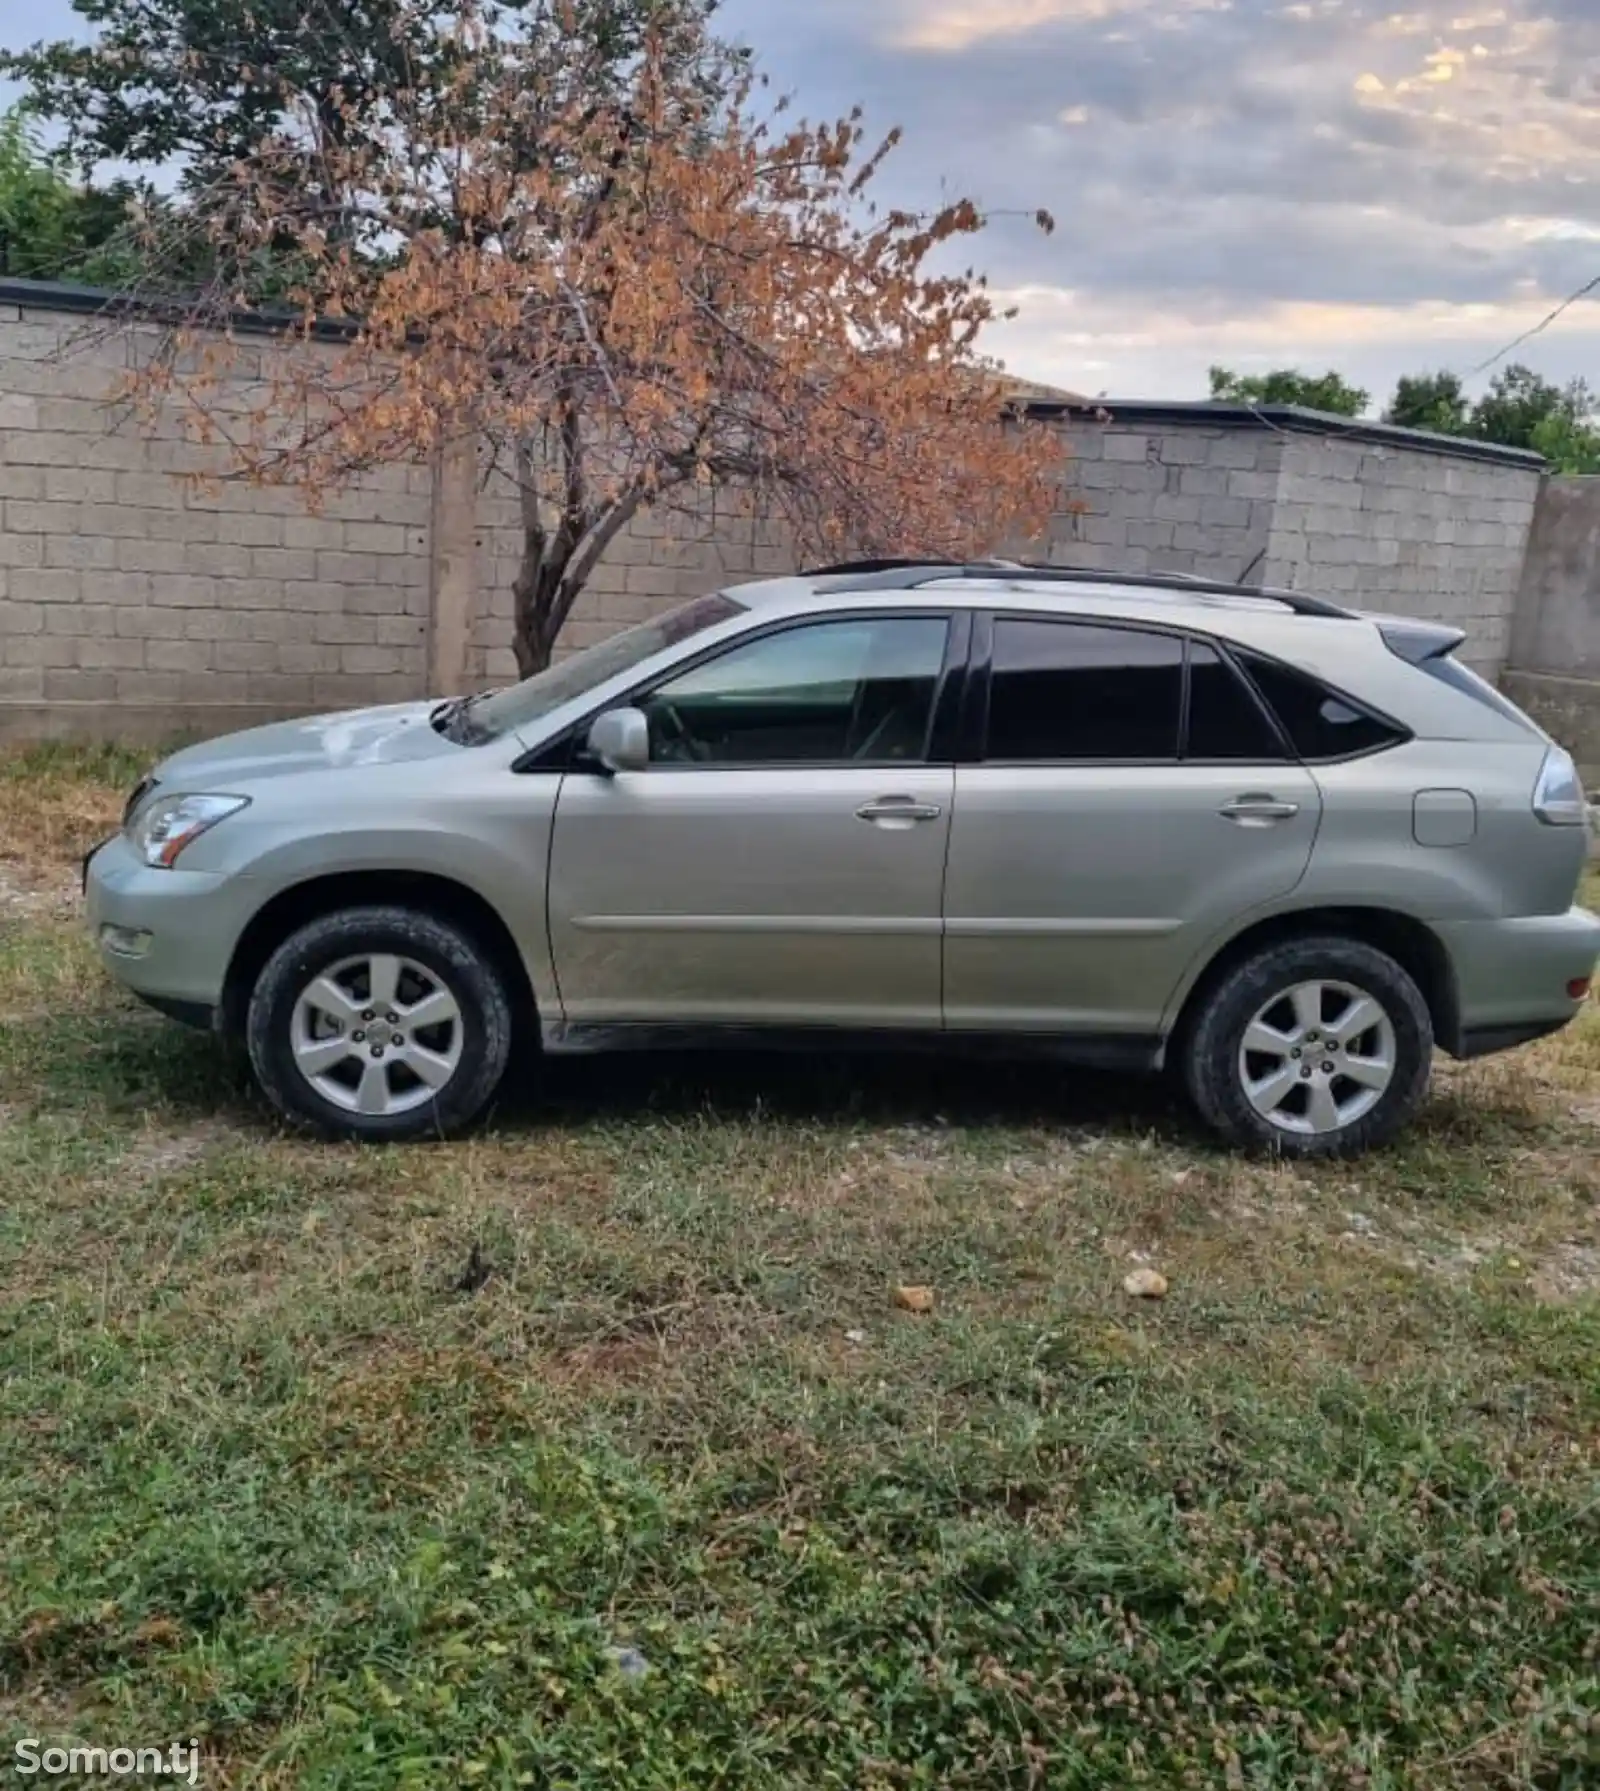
<point x="1072" y="692"/>
<point x="855" y="691"/>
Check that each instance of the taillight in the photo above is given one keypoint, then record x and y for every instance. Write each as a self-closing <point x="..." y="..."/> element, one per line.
<point x="1558" y="795"/>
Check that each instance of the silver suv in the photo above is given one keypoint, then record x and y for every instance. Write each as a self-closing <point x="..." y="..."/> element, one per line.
<point x="1280" y="847"/>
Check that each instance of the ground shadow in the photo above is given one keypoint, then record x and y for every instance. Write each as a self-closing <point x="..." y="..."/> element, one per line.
<point x="139" y="1062"/>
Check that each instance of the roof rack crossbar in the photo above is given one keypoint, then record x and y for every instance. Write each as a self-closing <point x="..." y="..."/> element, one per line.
<point x="890" y="575"/>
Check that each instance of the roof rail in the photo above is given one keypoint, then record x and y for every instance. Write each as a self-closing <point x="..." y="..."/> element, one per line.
<point x="890" y="575"/>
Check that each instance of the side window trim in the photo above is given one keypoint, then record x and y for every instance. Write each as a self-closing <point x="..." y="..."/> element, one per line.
<point x="980" y="686"/>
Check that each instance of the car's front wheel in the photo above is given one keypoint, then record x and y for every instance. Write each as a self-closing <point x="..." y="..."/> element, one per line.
<point x="383" y="1024"/>
<point x="1316" y="1047"/>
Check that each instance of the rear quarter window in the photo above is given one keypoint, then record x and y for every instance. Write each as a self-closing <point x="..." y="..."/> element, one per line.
<point x="1320" y="723"/>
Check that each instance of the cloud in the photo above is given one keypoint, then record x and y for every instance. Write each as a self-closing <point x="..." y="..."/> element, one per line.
<point x="1282" y="178"/>
<point x="1378" y="182"/>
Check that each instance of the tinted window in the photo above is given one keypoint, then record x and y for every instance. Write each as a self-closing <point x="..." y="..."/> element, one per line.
<point x="830" y="692"/>
<point x="1320" y="724"/>
<point x="1071" y="691"/>
<point x="1225" y="720"/>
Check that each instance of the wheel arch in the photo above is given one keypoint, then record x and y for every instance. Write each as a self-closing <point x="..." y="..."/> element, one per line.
<point x="1413" y="945"/>
<point x="439" y="896"/>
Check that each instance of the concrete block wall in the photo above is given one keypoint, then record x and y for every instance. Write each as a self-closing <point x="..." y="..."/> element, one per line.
<point x="1406" y="530"/>
<point x="1193" y="499"/>
<point x="1555" y="643"/>
<point x="131" y="601"/>
<point x="134" y="604"/>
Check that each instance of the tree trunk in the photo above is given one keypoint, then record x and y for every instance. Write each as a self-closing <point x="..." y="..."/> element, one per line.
<point x="537" y="609"/>
<point x="555" y="567"/>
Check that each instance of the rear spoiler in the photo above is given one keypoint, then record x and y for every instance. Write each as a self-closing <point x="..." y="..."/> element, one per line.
<point x="1418" y="642"/>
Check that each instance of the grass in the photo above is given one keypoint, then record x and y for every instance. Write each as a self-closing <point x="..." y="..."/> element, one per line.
<point x="363" y="1466"/>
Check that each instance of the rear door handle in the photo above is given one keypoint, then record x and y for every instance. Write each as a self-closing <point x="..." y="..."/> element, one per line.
<point x="1258" y="811"/>
<point x="905" y="811"/>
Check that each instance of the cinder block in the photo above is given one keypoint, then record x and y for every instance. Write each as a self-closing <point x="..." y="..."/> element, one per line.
<point x="341" y="568"/>
<point x="240" y="528"/>
<point x="25" y="517"/>
<point x="76" y="485"/>
<point x="79" y="618"/>
<point x="1226" y="513"/>
<point x="1239" y="450"/>
<point x="246" y="656"/>
<point x="340" y="630"/>
<point x="40" y="650"/>
<point x="187" y="591"/>
<point x="21" y="683"/>
<point x="1181" y="448"/>
<point x="82" y="551"/>
<point x="215" y="559"/>
<point x="150" y="490"/>
<point x="381" y="537"/>
<point x="144" y="623"/>
<point x="1121" y="445"/>
<point x="1171" y="508"/>
<point x="179" y="525"/>
<point x="79" y="687"/>
<point x="282" y="562"/>
<point x="22" y="481"/>
<point x="369" y="659"/>
<point x="148" y="687"/>
<point x="282" y="689"/>
<point x="34" y="585"/>
<point x="20" y="618"/>
<point x="312" y="532"/>
<point x="163" y="557"/>
<point x="1206" y="481"/>
<point x="177" y="656"/>
<point x="110" y="652"/>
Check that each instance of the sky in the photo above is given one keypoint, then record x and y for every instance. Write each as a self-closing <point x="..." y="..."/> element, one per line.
<point x="1318" y="183"/>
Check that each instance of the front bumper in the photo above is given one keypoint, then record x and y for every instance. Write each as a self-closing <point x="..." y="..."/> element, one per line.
<point x="169" y="936"/>
<point x="1512" y="976"/>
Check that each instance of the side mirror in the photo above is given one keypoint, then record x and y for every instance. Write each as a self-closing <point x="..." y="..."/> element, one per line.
<point x="620" y="740"/>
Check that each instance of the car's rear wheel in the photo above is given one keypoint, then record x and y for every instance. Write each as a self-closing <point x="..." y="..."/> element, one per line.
<point x="1317" y="1047"/>
<point x="380" y="1023"/>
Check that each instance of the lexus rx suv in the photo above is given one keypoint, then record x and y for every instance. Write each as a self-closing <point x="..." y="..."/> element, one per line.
<point x="1282" y="848"/>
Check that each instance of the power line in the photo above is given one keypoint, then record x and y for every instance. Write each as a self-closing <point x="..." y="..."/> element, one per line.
<point x="1539" y="328"/>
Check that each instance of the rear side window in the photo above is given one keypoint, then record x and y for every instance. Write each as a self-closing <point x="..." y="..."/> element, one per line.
<point x="1319" y="723"/>
<point x="1226" y="720"/>
<point x="1064" y="692"/>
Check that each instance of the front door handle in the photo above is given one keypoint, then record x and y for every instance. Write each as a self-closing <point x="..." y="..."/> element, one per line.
<point x="898" y="811"/>
<point x="1258" y="811"/>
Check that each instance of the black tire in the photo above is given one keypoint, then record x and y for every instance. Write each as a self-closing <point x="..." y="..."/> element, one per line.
<point x="1211" y="1058"/>
<point x="449" y="955"/>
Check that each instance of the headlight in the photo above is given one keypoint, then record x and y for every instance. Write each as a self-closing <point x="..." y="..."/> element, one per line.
<point x="162" y="829"/>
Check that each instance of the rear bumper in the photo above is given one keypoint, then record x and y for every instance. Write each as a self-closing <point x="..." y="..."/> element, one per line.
<point x="1512" y="976"/>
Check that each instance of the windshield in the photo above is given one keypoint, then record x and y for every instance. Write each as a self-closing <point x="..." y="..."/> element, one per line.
<point x="510" y="711"/>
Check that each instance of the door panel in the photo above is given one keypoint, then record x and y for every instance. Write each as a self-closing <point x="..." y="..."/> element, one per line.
<point x="751" y="896"/>
<point x="1077" y="894"/>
